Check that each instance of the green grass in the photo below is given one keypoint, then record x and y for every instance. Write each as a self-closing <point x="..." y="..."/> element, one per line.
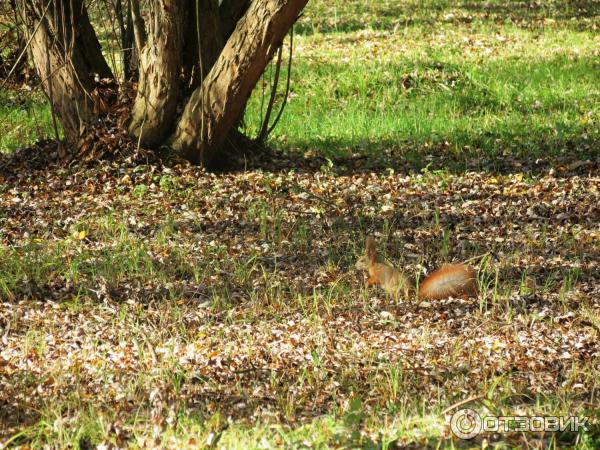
<point x="500" y="80"/>
<point x="168" y="307"/>
<point x="352" y="15"/>
<point x="484" y="87"/>
<point x="25" y="118"/>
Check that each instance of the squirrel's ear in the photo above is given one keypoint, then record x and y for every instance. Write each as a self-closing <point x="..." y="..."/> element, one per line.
<point x="370" y="250"/>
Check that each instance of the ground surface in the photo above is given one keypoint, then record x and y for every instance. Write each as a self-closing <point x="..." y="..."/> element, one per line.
<point x="147" y="303"/>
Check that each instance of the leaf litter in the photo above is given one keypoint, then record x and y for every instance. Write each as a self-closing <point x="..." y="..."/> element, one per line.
<point x="146" y="288"/>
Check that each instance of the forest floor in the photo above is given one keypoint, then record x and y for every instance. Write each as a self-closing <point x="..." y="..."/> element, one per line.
<point x="149" y="303"/>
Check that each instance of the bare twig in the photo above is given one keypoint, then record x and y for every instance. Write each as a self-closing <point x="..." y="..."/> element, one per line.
<point x="265" y="125"/>
<point x="139" y="31"/>
<point x="27" y="44"/>
<point x="287" y="84"/>
<point x="463" y="402"/>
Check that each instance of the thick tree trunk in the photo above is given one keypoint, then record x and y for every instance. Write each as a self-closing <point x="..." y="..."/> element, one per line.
<point x="185" y="42"/>
<point x="88" y="45"/>
<point x="67" y="56"/>
<point x="153" y="112"/>
<point x="215" y="106"/>
<point x="230" y="11"/>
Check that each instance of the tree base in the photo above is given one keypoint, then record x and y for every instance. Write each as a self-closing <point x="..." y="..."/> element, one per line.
<point x="238" y="152"/>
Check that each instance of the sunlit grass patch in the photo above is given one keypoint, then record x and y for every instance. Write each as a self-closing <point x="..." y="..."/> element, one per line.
<point x="481" y="89"/>
<point x="351" y="15"/>
<point x="24" y="119"/>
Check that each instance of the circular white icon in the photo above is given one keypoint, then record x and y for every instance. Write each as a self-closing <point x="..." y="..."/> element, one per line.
<point x="465" y="423"/>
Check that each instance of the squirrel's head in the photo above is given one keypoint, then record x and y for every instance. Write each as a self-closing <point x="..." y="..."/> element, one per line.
<point x="369" y="257"/>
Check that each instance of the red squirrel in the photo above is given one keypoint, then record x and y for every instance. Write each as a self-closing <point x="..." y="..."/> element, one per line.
<point x="453" y="280"/>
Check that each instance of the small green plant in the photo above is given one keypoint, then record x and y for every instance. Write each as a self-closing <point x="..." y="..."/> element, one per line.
<point x="139" y="190"/>
<point x="569" y="280"/>
<point x="167" y="183"/>
<point x="394" y="377"/>
<point x="445" y="244"/>
<point x="302" y="235"/>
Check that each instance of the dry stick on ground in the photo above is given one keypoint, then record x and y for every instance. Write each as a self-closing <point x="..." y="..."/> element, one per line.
<point x="463" y="402"/>
<point x="260" y="369"/>
<point x="236" y="396"/>
<point x="315" y="196"/>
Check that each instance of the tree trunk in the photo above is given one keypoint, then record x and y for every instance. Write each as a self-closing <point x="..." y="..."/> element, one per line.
<point x="153" y="111"/>
<point x="214" y="106"/>
<point x="88" y="45"/>
<point x="185" y="46"/>
<point x="203" y="40"/>
<point x="129" y="55"/>
<point x="67" y="56"/>
<point x="230" y="12"/>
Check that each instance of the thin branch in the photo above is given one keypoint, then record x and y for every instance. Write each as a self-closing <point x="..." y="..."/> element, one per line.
<point x="201" y="64"/>
<point x="462" y="403"/>
<point x="15" y="65"/>
<point x="265" y="125"/>
<point x="139" y="30"/>
<point x="113" y="29"/>
<point x="287" y="84"/>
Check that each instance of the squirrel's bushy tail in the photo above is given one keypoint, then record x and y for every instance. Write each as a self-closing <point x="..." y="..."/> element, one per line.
<point x="455" y="280"/>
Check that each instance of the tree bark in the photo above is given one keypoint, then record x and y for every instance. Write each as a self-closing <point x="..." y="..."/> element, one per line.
<point x="129" y="55"/>
<point x="214" y="107"/>
<point x="203" y="40"/>
<point x="67" y="56"/>
<point x="153" y="111"/>
<point x="230" y="11"/>
<point x="89" y="47"/>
